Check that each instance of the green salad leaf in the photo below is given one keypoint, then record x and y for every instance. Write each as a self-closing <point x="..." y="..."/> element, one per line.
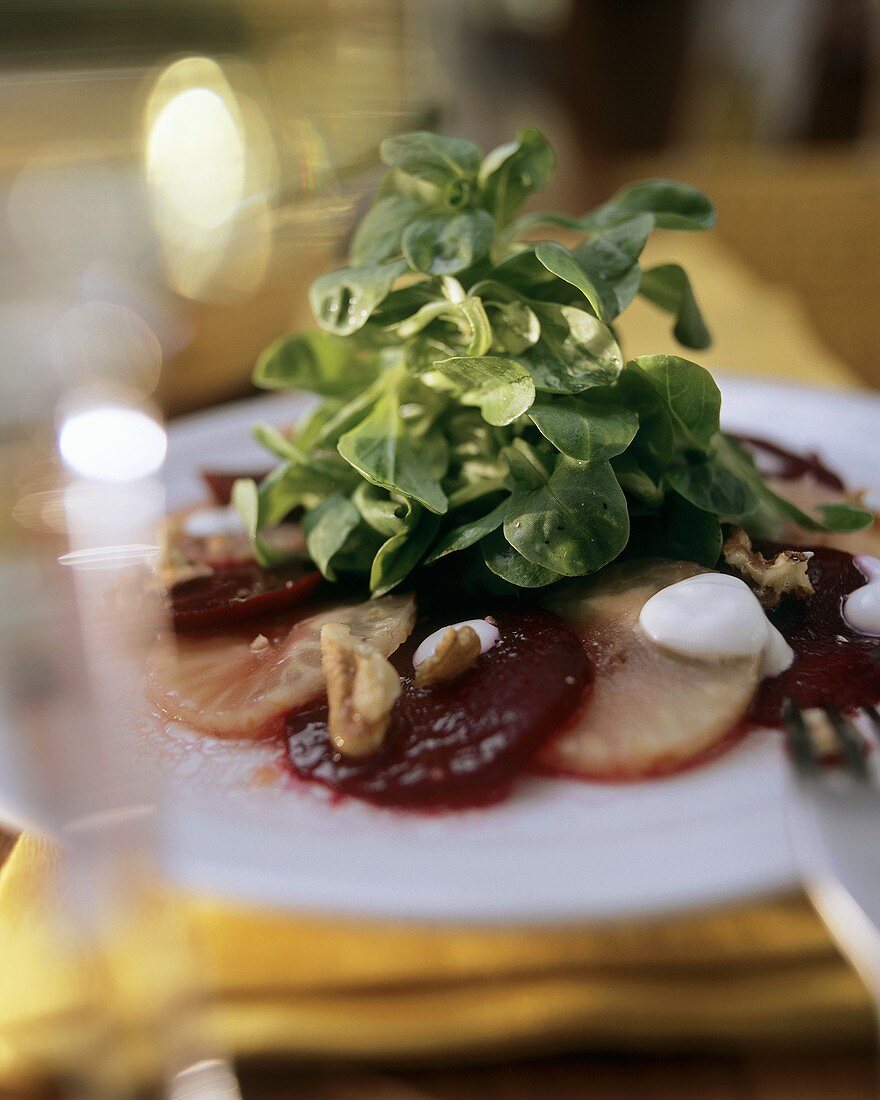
<point x="475" y="410"/>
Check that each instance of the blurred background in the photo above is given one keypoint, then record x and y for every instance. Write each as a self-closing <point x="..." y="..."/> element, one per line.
<point x="175" y="172"/>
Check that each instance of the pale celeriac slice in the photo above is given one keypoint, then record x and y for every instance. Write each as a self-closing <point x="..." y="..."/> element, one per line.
<point x="230" y="685"/>
<point x="650" y="710"/>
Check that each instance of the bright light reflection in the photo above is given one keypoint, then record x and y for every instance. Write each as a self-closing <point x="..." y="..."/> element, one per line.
<point x="196" y="158"/>
<point x="112" y="444"/>
<point x="112" y="557"/>
<point x="212" y="169"/>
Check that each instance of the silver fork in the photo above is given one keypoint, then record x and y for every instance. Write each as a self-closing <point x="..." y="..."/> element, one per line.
<point x="834" y="826"/>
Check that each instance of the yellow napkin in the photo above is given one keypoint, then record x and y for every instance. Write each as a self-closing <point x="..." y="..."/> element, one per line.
<point x="289" y="985"/>
<point x="759" y="974"/>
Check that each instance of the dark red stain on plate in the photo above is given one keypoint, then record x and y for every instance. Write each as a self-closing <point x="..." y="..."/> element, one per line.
<point x="775" y="461"/>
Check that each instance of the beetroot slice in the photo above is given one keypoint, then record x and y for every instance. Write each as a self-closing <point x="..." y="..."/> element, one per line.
<point x="463" y="742"/>
<point x="237" y="593"/>
<point x="833" y="663"/>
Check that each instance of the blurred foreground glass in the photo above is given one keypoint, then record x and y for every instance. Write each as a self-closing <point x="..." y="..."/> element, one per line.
<point x="78" y="615"/>
<point x="172" y="176"/>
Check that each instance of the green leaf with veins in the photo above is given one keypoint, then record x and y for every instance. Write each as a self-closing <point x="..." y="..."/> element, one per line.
<point x="843" y="518"/>
<point x="277" y="443"/>
<point x="502" y="560"/>
<point x="523" y="273"/>
<point x="576" y="351"/>
<point x="669" y="288"/>
<point x="610" y="258"/>
<point x="582" y="429"/>
<point x="846" y="519"/>
<point x="501" y="396"/>
<point x="342" y="301"/>
<point x="713" y="487"/>
<point x="573" y="524"/>
<point x="690" y="396"/>
<point x="528" y="222"/>
<point x="612" y="251"/>
<point x="432" y="157"/>
<point x="404" y="302"/>
<point x="347" y="415"/>
<point x="635" y="481"/>
<point x="327" y="529"/>
<point x="654" y="445"/>
<point x="422" y="351"/>
<point x="463" y="324"/>
<point x="514" y="325"/>
<point x="316" y="362"/>
<point x="398" y="556"/>
<point x="566" y="266"/>
<point x="512" y="172"/>
<point x="378" y="236"/>
<point x="502" y="389"/>
<point x="293" y="485"/>
<point x="673" y="205"/>
<point x="250" y="505"/>
<point x="379" y="510"/>
<point x="528" y="466"/>
<point x="381" y="449"/>
<point x="444" y="244"/>
<point x="468" y="533"/>
<point x="421" y="319"/>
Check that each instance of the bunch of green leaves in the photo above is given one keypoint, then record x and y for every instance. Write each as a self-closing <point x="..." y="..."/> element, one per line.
<point x="473" y="397"/>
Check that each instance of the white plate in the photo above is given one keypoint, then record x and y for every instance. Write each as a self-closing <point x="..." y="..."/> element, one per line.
<point x="557" y="850"/>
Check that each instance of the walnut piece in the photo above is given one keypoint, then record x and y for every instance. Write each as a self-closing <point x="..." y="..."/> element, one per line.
<point x="456" y="651"/>
<point x="362" y="687"/>
<point x="770" y="578"/>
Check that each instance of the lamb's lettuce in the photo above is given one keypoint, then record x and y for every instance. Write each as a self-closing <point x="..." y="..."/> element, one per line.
<point x="475" y="406"/>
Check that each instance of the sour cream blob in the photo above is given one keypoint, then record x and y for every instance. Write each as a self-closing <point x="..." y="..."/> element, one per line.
<point x="487" y="632"/>
<point x="714" y="617"/>
<point x="861" y="608"/>
<point x="205" y="523"/>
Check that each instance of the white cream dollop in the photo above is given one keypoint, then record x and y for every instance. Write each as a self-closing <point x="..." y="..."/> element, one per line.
<point x="487" y="632"/>
<point x="861" y="608"/>
<point x="714" y="617"/>
<point x="206" y="523"/>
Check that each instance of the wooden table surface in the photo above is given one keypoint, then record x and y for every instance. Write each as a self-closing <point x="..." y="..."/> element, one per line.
<point x="577" y="1077"/>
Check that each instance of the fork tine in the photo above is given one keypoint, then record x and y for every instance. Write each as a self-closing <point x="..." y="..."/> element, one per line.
<point x="850" y="742"/>
<point x="800" y="743"/>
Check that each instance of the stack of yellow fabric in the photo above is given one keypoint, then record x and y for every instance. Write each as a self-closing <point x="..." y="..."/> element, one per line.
<point x="282" y="984"/>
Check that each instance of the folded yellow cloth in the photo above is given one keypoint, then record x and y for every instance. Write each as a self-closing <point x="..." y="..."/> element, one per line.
<point x="289" y="985"/>
<point x="757" y="328"/>
<point x="758" y="974"/>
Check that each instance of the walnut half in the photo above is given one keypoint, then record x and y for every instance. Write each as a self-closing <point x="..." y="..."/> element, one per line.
<point x="771" y="578"/>
<point x="456" y="651"/>
<point x="362" y="687"/>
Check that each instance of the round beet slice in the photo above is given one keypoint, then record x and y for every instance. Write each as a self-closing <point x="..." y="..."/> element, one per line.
<point x="235" y="593"/>
<point x="832" y="662"/>
<point x="462" y="742"/>
<point x="220" y="482"/>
